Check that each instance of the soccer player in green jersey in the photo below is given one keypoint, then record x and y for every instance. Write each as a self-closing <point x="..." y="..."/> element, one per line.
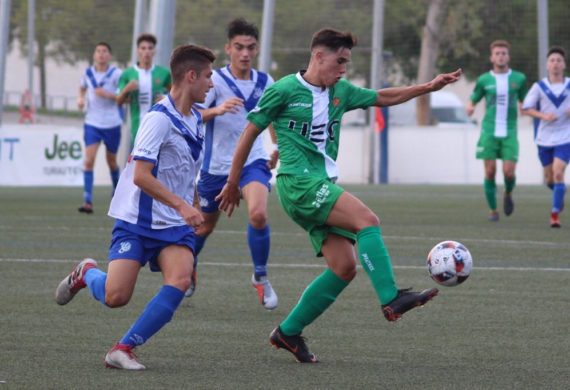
<point x="503" y="89"/>
<point x="306" y="109"/>
<point x="144" y="83"/>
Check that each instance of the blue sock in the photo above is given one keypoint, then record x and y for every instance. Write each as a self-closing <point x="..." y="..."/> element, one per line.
<point x="558" y="197"/>
<point x="156" y="314"/>
<point x="550" y="185"/>
<point x="259" y="242"/>
<point x="115" y="178"/>
<point x="88" y="186"/>
<point x="95" y="280"/>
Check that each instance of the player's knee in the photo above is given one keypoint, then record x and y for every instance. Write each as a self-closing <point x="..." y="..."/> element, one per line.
<point x="258" y="219"/>
<point x="116" y="298"/>
<point x="558" y="177"/>
<point x="371" y="219"/>
<point x="181" y="282"/>
<point x="346" y="271"/>
<point x="88" y="164"/>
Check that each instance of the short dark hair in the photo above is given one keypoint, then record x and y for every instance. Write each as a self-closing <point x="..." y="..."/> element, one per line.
<point x="146" y="37"/>
<point x="499" y="43"/>
<point x="557" y="49"/>
<point x="333" y="39"/>
<point x="106" y="45"/>
<point x="189" y="57"/>
<point x="240" y="26"/>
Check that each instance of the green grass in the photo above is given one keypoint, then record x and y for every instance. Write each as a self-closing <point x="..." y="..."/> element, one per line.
<point x="507" y="327"/>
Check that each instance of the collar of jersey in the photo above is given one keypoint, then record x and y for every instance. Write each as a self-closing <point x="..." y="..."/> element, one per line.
<point x="310" y="86"/>
<point x="143" y="70"/>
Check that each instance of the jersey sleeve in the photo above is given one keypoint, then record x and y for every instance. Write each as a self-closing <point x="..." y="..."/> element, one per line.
<point x="123" y="81"/>
<point x="117" y="76"/>
<point x="360" y="97"/>
<point x="523" y="89"/>
<point x="532" y="97"/>
<point x="478" y="92"/>
<point x="150" y="136"/>
<point x="267" y="109"/>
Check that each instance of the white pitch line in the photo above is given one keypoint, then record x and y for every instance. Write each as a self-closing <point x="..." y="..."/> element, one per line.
<point x="523" y="243"/>
<point x="306" y="265"/>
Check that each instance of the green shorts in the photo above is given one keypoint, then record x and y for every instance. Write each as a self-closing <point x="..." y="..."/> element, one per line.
<point x="308" y="201"/>
<point x="490" y="147"/>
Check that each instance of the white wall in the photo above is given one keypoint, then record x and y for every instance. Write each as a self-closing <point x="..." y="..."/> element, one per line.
<point x="438" y="155"/>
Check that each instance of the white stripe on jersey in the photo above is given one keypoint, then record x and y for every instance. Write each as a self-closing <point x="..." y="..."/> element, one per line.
<point x="163" y="138"/>
<point x="223" y="132"/>
<point x="320" y="121"/>
<point x="502" y="103"/>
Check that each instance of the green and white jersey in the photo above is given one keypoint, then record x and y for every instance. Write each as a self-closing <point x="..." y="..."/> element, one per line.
<point x="307" y="119"/>
<point x="502" y="91"/>
<point x="153" y="82"/>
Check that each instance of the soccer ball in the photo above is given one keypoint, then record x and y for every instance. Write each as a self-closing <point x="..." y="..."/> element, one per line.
<point x="449" y="263"/>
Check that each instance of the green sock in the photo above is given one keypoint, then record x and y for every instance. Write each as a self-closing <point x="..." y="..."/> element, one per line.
<point x="316" y="298"/>
<point x="490" y="193"/>
<point x="376" y="262"/>
<point x="510" y="184"/>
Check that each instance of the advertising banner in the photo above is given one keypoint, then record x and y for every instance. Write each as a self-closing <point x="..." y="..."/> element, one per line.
<point x="41" y="155"/>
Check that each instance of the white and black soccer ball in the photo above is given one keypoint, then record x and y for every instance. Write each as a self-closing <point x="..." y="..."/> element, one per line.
<point x="449" y="263"/>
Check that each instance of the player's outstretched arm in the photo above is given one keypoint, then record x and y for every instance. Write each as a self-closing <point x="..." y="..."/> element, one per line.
<point x="230" y="195"/>
<point x="397" y="95"/>
<point x="145" y="180"/>
<point x="231" y="105"/>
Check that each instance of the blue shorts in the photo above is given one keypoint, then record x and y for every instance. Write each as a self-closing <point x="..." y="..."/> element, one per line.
<point x="133" y="242"/>
<point x="546" y="154"/>
<point x="111" y="137"/>
<point x="210" y="186"/>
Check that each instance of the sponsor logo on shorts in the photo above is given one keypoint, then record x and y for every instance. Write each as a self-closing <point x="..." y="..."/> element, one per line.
<point x="125" y="247"/>
<point x="321" y="196"/>
<point x="204" y="202"/>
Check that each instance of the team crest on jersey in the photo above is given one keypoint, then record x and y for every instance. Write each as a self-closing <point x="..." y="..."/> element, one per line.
<point x="257" y="92"/>
<point x="514" y="85"/>
<point x="125" y="247"/>
<point x="336" y="101"/>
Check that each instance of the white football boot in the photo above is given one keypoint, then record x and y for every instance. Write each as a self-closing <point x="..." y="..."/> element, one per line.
<point x="266" y="294"/>
<point x="122" y="356"/>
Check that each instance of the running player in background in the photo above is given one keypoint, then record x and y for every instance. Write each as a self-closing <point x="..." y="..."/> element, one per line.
<point x="144" y="83"/>
<point x="502" y="89"/>
<point x="306" y="110"/>
<point x="237" y="89"/>
<point x="102" y="118"/>
<point x="552" y="95"/>
<point x="155" y="219"/>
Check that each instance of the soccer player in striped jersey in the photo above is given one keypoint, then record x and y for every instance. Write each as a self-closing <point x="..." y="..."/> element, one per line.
<point x="503" y="90"/>
<point x="237" y="89"/>
<point x="549" y="101"/>
<point x="102" y="118"/>
<point x="306" y="111"/>
<point x="153" y="209"/>
<point x="144" y="83"/>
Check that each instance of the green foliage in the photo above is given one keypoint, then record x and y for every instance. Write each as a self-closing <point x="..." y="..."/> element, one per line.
<point x="69" y="30"/>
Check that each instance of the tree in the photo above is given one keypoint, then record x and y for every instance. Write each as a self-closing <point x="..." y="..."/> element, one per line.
<point x="68" y="31"/>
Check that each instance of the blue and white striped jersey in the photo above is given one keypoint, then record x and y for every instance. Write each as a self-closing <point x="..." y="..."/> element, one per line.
<point x="223" y="132"/>
<point x="101" y="112"/>
<point x="174" y="143"/>
<point x="551" y="99"/>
